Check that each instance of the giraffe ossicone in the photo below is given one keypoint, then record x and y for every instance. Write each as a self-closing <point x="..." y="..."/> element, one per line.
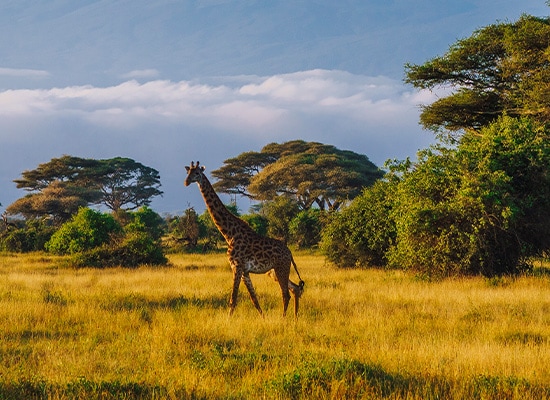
<point x="248" y="252"/>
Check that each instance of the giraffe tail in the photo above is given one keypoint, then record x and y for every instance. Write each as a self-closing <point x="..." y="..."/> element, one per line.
<point x="302" y="283"/>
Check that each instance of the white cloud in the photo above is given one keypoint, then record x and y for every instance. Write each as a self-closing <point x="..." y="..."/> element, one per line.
<point x="308" y="101"/>
<point x="24" y="73"/>
<point x="261" y="103"/>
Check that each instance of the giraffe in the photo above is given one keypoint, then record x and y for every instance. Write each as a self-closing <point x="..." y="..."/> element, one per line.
<point x="248" y="252"/>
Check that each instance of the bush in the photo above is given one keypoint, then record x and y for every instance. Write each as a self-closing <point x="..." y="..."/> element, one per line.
<point x="480" y="208"/>
<point x="95" y="239"/>
<point x="149" y="221"/>
<point x="361" y="233"/>
<point x="86" y="230"/>
<point x="279" y="212"/>
<point x="136" y="249"/>
<point x="305" y="228"/>
<point x="32" y="237"/>
<point x="138" y="245"/>
<point x="256" y="222"/>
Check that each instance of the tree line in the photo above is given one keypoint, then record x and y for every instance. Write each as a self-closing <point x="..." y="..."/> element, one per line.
<point x="475" y="202"/>
<point x="56" y="213"/>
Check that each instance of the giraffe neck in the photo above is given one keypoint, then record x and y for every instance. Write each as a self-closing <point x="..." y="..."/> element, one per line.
<point x="225" y="221"/>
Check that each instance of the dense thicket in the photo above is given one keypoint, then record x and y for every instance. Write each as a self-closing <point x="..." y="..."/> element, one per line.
<point x="478" y="202"/>
<point x="483" y="207"/>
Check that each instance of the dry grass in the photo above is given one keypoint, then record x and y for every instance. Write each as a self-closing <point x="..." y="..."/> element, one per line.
<point x="165" y="332"/>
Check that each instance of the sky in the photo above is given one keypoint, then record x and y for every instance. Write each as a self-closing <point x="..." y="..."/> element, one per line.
<point x="168" y="82"/>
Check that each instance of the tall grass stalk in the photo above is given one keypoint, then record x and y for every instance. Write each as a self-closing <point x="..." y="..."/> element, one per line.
<point x="165" y="332"/>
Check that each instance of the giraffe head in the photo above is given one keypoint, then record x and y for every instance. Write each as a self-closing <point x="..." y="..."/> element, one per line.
<point x="194" y="174"/>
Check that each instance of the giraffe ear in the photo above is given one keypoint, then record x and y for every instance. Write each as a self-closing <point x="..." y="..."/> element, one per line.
<point x="203" y="167"/>
<point x="187" y="168"/>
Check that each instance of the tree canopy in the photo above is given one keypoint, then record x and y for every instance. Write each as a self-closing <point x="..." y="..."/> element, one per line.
<point x="500" y="69"/>
<point x="309" y="172"/>
<point x="61" y="186"/>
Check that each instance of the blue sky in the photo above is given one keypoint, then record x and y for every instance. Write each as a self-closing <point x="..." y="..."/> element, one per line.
<point x="166" y="82"/>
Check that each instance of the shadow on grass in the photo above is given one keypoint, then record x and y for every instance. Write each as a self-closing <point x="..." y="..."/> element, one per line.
<point x="85" y="389"/>
<point x="134" y="301"/>
<point x="346" y="379"/>
<point x="353" y="379"/>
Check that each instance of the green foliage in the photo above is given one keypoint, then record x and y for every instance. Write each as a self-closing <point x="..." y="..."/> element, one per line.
<point x="86" y="230"/>
<point x="147" y="220"/>
<point x="257" y="222"/>
<point x="305" y="228"/>
<point x="32" y="237"/>
<point x="279" y="212"/>
<point x="500" y="69"/>
<point x="95" y="239"/>
<point x="307" y="172"/>
<point x="508" y="171"/>
<point x="362" y="233"/>
<point x="135" y="249"/>
<point x="138" y="244"/>
<point x="435" y="228"/>
<point x="481" y="208"/>
<point x="63" y="185"/>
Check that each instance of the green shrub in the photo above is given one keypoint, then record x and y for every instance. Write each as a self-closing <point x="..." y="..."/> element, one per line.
<point x="149" y="221"/>
<point x="86" y="230"/>
<point x="305" y="228"/>
<point x="482" y="207"/>
<point x="137" y="246"/>
<point x="32" y="237"/>
<point x="256" y="222"/>
<point x="362" y="233"/>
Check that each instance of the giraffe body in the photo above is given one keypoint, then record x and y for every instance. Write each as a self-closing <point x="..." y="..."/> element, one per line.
<point x="248" y="252"/>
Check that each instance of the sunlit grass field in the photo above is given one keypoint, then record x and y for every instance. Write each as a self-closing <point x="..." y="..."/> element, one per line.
<point x="165" y="333"/>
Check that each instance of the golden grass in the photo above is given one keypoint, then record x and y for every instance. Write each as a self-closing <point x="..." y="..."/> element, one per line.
<point x="166" y="332"/>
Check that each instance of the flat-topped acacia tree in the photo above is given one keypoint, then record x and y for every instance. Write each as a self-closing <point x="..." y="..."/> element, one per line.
<point x="322" y="175"/>
<point x="58" y="188"/>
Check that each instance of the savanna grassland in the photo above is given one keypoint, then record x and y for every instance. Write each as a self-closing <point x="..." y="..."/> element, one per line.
<point x="165" y="333"/>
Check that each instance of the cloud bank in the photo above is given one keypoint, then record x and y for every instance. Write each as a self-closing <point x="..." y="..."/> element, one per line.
<point x="166" y="124"/>
<point x="259" y="103"/>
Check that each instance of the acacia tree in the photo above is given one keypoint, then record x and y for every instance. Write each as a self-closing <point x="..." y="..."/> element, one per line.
<point x="307" y="172"/>
<point x="125" y="183"/>
<point x="500" y="69"/>
<point x="234" y="177"/>
<point x="59" y="187"/>
<point x="57" y="201"/>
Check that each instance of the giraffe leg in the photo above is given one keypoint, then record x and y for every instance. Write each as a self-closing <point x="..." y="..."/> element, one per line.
<point x="282" y="278"/>
<point x="297" y="291"/>
<point x="252" y="292"/>
<point x="237" y="275"/>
